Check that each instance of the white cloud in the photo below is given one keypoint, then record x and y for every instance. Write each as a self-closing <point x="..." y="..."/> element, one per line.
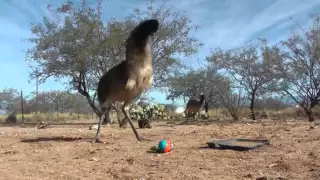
<point x="276" y="12"/>
<point x="232" y="23"/>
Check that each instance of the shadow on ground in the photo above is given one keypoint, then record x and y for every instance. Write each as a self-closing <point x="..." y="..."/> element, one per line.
<point x="60" y="138"/>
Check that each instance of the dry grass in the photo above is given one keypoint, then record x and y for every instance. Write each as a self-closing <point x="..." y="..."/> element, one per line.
<point x="288" y="113"/>
<point x="64" y="152"/>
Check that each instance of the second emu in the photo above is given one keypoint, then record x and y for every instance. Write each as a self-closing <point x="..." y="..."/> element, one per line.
<point x="127" y="80"/>
<point x="194" y="106"/>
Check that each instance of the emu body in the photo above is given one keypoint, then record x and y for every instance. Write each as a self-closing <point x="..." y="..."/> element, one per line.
<point x="194" y="106"/>
<point x="127" y="80"/>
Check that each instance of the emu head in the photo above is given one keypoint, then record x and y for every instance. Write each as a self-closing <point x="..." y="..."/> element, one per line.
<point x="139" y="36"/>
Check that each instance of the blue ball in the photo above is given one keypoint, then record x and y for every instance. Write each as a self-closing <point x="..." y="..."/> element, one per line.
<point x="162" y="145"/>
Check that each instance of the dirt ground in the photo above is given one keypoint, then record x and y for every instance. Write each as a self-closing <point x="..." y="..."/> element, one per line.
<point x="64" y="152"/>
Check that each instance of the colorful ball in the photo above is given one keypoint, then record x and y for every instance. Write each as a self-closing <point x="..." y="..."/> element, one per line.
<point x="165" y="146"/>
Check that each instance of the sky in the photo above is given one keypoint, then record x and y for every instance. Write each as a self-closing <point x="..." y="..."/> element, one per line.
<point x="223" y="23"/>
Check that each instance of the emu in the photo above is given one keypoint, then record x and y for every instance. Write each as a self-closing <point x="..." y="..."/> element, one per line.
<point x="194" y="106"/>
<point x="127" y="80"/>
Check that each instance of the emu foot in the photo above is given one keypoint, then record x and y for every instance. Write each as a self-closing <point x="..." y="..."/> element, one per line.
<point x="123" y="123"/>
<point x="97" y="140"/>
<point x="124" y="126"/>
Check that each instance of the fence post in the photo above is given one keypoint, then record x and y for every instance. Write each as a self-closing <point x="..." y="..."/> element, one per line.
<point x="22" y="112"/>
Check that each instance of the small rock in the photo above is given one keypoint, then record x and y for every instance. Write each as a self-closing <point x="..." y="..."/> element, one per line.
<point x="93" y="159"/>
<point x="262" y="178"/>
<point x="93" y="127"/>
<point x="271" y="165"/>
<point x="10" y="152"/>
<point x="311" y="154"/>
<point x="313" y="127"/>
<point x="281" y="178"/>
<point x="42" y="125"/>
<point x="130" y="161"/>
<point x="249" y="176"/>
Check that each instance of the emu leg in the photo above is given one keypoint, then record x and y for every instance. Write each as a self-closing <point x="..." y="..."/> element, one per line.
<point x="126" y="114"/>
<point x="118" y="117"/>
<point x="103" y="114"/>
<point x="198" y="115"/>
<point x="106" y="119"/>
<point x="187" y="114"/>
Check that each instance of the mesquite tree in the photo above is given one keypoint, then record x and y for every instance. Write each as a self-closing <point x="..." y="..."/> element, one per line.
<point x="299" y="67"/>
<point x="192" y="83"/>
<point x="247" y="67"/>
<point x="216" y="88"/>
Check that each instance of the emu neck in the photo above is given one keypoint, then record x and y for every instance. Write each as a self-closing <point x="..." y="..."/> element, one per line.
<point x="139" y="54"/>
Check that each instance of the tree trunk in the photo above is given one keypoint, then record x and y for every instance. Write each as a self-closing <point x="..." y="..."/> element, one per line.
<point x="235" y="117"/>
<point x="252" y="99"/>
<point x="94" y="108"/>
<point x="106" y="120"/>
<point x="310" y="112"/>
<point x="310" y="115"/>
<point x="22" y="108"/>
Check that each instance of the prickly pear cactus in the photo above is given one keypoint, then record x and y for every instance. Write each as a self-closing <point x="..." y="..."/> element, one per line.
<point x="136" y="112"/>
<point x="161" y="110"/>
